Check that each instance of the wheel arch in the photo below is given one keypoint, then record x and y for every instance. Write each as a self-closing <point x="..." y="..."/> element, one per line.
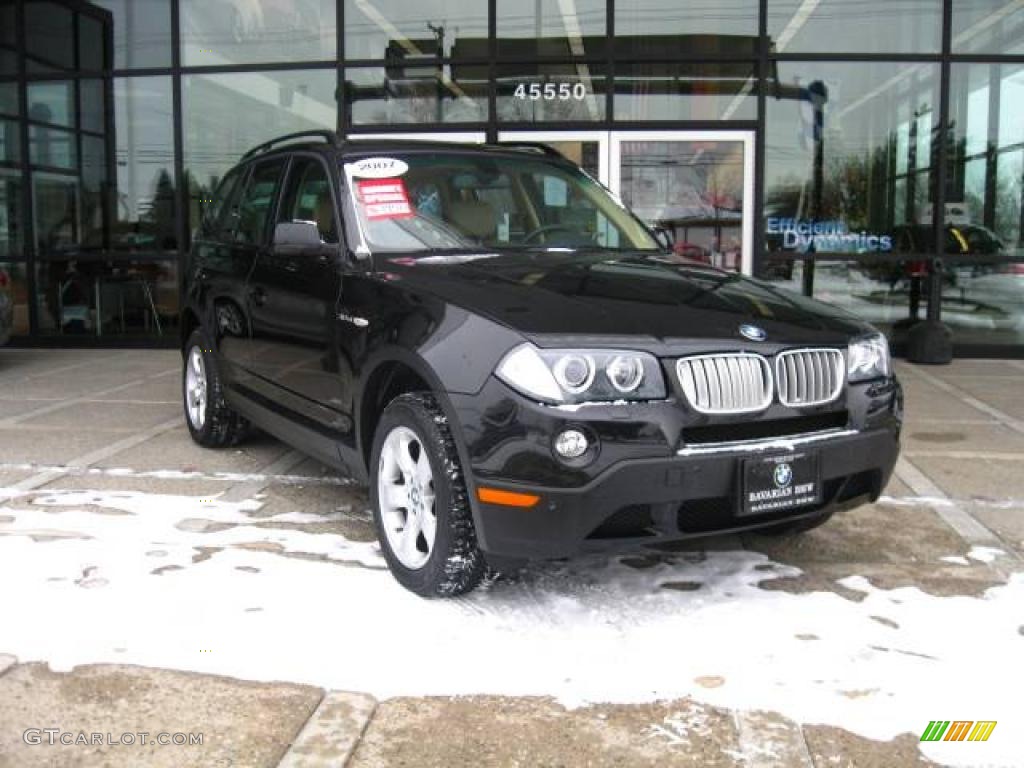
<point x="395" y="372"/>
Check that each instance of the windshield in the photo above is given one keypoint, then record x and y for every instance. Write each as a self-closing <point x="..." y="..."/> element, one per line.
<point x="408" y="202"/>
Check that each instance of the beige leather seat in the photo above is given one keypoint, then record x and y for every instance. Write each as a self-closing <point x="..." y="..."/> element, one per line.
<point x="324" y="218"/>
<point x="474" y="218"/>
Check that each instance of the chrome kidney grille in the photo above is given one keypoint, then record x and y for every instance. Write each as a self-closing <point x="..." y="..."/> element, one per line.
<point x="742" y="382"/>
<point x="726" y="383"/>
<point x="809" y="376"/>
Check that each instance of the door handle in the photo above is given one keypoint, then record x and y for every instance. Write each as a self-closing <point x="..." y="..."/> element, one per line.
<point x="258" y="296"/>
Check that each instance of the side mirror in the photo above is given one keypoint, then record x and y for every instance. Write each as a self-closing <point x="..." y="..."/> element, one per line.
<point x="664" y="237"/>
<point x="297" y="236"/>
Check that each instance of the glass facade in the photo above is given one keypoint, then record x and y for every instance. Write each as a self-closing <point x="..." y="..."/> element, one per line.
<point x="834" y="148"/>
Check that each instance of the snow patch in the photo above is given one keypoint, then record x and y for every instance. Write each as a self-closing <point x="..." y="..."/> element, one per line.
<point x="151" y="579"/>
<point x="985" y="554"/>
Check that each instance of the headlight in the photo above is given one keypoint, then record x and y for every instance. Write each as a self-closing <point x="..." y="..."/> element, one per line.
<point x="582" y="375"/>
<point x="868" y="358"/>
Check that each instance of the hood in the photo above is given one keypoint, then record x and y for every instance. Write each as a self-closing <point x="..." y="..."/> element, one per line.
<point x="658" y="298"/>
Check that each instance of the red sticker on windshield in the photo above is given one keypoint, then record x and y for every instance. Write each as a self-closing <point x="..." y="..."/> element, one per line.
<point x="384" y="199"/>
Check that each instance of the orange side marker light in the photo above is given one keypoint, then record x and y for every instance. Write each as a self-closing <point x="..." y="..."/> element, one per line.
<point x="507" y="498"/>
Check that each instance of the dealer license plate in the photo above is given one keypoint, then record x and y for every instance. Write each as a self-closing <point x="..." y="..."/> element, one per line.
<point x="780" y="483"/>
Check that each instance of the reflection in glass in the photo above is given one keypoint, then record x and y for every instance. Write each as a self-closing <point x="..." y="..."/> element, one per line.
<point x="988" y="26"/>
<point x="10" y="141"/>
<point x="107" y="298"/>
<point x="866" y="26"/>
<point x="52" y="148"/>
<point x="9" y="99"/>
<point x="428" y="94"/>
<point x="551" y="92"/>
<point x="49" y="35"/>
<point x="849" y="160"/>
<point x="11" y="222"/>
<point x="225" y="32"/>
<point x="90" y="44"/>
<point x="93" y="106"/>
<point x="8" y="38"/>
<point x="685" y="91"/>
<point x="142" y="32"/>
<point x="226" y="115"/>
<point x="551" y="28"/>
<point x="402" y="31"/>
<point x="52" y="102"/>
<point x="692" y="189"/>
<point x="667" y="28"/>
<point x="841" y="137"/>
<point x="984" y="204"/>
<point x="13" y="281"/>
<point x="143" y="203"/>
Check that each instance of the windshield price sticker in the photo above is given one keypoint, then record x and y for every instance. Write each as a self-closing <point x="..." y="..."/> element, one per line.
<point x="551" y="91"/>
<point x="378" y="168"/>
<point x="384" y="199"/>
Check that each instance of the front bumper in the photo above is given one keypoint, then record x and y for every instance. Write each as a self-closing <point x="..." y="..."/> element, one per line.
<point x="649" y="501"/>
<point x="648" y="484"/>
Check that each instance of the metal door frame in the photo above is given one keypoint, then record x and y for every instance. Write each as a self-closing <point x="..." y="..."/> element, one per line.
<point x="616" y="138"/>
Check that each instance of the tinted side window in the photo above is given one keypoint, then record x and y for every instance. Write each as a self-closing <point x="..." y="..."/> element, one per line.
<point x="308" y="198"/>
<point x="257" y="201"/>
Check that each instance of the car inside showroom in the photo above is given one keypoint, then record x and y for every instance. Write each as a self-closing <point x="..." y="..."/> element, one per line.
<point x="511" y="382"/>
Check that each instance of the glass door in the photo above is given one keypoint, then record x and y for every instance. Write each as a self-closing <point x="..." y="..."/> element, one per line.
<point x="697" y="186"/>
<point x="588" y="149"/>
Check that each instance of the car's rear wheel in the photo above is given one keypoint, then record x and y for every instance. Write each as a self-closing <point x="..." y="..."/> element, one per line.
<point x="211" y="421"/>
<point x="420" y="503"/>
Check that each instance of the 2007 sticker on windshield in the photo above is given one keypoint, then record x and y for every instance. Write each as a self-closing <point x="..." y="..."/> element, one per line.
<point x="384" y="199"/>
<point x="378" y="168"/>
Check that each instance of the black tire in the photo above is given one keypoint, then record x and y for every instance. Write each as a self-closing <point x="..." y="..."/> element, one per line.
<point x="455" y="565"/>
<point x="795" y="528"/>
<point x="221" y="426"/>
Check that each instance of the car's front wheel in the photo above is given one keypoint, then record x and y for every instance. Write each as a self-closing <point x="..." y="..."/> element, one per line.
<point x="211" y="421"/>
<point x="421" y="507"/>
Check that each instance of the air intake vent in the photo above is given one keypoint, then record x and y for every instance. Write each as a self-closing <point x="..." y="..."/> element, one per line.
<point x="727" y="383"/>
<point x="809" y="376"/>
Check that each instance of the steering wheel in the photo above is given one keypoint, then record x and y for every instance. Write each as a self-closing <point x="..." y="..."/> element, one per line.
<point x="547" y="229"/>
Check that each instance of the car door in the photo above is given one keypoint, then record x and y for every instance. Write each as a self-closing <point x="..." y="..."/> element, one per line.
<point x="248" y="227"/>
<point x="219" y="278"/>
<point x="294" y="350"/>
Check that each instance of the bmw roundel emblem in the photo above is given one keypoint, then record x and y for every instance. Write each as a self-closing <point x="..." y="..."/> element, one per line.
<point x="752" y="332"/>
<point x="783" y="475"/>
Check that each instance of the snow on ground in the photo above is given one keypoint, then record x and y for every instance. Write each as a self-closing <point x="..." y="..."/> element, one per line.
<point x="168" y="581"/>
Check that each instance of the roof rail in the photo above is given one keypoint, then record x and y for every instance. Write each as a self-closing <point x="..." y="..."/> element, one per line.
<point x="329" y="136"/>
<point x="540" y="146"/>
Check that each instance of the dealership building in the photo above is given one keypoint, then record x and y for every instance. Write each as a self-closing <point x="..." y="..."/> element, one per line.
<point x="867" y="153"/>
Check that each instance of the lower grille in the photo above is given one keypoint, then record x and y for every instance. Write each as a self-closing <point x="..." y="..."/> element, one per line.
<point x="759" y="430"/>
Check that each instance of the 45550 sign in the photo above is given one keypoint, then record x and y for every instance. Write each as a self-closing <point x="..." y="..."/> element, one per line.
<point x="551" y="91"/>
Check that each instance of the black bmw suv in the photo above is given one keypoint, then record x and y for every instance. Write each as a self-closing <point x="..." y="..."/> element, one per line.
<point x="512" y="362"/>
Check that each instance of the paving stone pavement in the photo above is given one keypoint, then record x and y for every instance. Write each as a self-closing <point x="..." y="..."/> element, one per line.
<point x="105" y="420"/>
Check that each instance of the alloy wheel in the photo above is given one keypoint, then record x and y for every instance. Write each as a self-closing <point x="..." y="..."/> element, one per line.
<point x="405" y="492"/>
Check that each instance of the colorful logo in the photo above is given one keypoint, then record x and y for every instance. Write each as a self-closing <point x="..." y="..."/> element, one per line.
<point x="958" y="730"/>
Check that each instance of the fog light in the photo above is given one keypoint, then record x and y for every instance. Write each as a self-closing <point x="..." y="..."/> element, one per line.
<point x="571" y="444"/>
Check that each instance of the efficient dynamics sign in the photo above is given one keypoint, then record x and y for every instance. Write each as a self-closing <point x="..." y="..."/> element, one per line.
<point x="833" y="236"/>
